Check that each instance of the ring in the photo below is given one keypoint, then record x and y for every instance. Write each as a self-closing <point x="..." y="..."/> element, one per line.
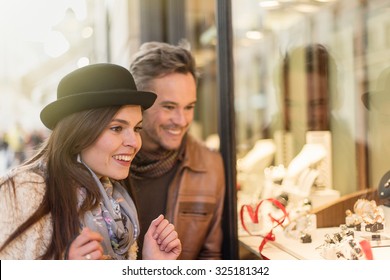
<point x="88" y="256"/>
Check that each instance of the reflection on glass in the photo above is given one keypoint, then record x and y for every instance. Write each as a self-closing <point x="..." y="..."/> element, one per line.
<point x="377" y="101"/>
<point x="305" y="74"/>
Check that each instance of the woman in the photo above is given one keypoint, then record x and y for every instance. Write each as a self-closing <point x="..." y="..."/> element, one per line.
<point x="70" y="200"/>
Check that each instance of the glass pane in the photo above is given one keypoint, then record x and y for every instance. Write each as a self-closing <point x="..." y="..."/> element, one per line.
<point x="202" y="34"/>
<point x="299" y="76"/>
<point x="377" y="98"/>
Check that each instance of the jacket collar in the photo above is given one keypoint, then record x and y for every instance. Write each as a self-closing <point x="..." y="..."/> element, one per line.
<point x="192" y="156"/>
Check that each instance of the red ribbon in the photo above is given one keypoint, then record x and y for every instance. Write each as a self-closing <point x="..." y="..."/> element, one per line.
<point x="254" y="215"/>
<point x="366" y="247"/>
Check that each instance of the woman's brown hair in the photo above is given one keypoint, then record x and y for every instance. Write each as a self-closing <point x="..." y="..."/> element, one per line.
<point x="65" y="175"/>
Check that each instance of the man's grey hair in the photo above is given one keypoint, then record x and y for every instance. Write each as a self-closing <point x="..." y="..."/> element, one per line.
<point x="157" y="59"/>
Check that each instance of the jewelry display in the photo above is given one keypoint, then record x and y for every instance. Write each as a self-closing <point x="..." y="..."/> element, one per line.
<point x="276" y="215"/>
<point x="325" y="166"/>
<point x="301" y="179"/>
<point x="366" y="216"/>
<point x="250" y="168"/>
<point x="301" y="228"/>
<point x="302" y="171"/>
<point x="302" y="222"/>
<point x="344" y="245"/>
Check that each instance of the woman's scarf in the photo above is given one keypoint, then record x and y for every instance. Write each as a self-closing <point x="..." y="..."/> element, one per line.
<point x="116" y="219"/>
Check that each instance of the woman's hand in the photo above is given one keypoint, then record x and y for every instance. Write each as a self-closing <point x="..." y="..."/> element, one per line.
<point x="86" y="246"/>
<point x="161" y="241"/>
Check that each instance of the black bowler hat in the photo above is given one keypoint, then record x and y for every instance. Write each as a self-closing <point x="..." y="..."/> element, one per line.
<point x="379" y="99"/>
<point x="95" y="86"/>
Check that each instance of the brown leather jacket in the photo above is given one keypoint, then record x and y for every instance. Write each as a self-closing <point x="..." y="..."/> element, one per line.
<point x="195" y="202"/>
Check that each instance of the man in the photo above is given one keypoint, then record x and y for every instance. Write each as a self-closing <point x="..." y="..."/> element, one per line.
<point x="173" y="173"/>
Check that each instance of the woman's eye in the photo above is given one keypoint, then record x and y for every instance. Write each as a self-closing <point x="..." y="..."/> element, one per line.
<point x="116" y="128"/>
<point x="137" y="128"/>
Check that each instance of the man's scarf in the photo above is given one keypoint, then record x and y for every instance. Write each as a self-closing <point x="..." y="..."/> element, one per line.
<point x="155" y="164"/>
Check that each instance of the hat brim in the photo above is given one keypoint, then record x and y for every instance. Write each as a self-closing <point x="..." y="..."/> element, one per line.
<point x="63" y="107"/>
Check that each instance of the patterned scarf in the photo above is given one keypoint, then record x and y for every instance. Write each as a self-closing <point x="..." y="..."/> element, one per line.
<point x="116" y="218"/>
<point x="155" y="164"/>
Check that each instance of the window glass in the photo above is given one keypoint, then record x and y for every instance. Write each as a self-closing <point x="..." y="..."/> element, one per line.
<point x="301" y="69"/>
